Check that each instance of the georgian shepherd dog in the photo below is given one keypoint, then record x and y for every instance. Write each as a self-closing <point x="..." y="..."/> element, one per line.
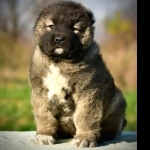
<point x="73" y="92"/>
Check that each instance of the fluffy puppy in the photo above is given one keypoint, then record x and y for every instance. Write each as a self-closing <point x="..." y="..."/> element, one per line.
<point x="73" y="93"/>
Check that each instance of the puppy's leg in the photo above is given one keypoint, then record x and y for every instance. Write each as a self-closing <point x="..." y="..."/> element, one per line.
<point x="87" y="122"/>
<point x="46" y="124"/>
<point x="112" y="126"/>
<point x="114" y="120"/>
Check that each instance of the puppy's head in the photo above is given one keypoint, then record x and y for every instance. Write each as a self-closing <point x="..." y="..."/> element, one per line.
<point x="64" y="30"/>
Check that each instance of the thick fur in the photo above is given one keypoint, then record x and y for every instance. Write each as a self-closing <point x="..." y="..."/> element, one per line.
<point x="73" y="93"/>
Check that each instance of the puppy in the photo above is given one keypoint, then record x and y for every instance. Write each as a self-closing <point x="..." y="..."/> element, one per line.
<point x="73" y="93"/>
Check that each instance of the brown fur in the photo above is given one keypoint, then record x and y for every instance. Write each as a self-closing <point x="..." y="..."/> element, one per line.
<point x="73" y="93"/>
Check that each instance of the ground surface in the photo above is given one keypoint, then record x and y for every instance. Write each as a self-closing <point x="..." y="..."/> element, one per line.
<point x="13" y="140"/>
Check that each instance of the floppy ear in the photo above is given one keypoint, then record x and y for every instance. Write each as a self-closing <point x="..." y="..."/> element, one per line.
<point x="91" y="16"/>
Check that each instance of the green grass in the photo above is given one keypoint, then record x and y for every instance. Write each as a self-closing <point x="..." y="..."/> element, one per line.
<point x="15" y="107"/>
<point x="16" y="111"/>
<point x="131" y="112"/>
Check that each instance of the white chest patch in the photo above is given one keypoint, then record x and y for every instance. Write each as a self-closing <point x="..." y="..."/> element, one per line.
<point x="55" y="82"/>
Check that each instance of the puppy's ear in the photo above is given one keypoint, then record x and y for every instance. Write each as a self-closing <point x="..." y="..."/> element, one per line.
<point x="91" y="16"/>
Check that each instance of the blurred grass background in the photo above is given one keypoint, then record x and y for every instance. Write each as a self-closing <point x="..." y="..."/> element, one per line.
<point x="118" y="42"/>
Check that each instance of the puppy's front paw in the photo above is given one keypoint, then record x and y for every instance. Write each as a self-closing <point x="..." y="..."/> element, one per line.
<point x="84" y="142"/>
<point x="44" y="139"/>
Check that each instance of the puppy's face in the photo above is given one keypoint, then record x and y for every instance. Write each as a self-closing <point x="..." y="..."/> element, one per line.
<point x="64" y="30"/>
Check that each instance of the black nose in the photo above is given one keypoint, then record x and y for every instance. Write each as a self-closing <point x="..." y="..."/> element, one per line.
<point x="58" y="39"/>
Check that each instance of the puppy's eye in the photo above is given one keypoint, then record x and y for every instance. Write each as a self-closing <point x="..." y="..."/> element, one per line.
<point x="75" y="30"/>
<point x="49" y="27"/>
